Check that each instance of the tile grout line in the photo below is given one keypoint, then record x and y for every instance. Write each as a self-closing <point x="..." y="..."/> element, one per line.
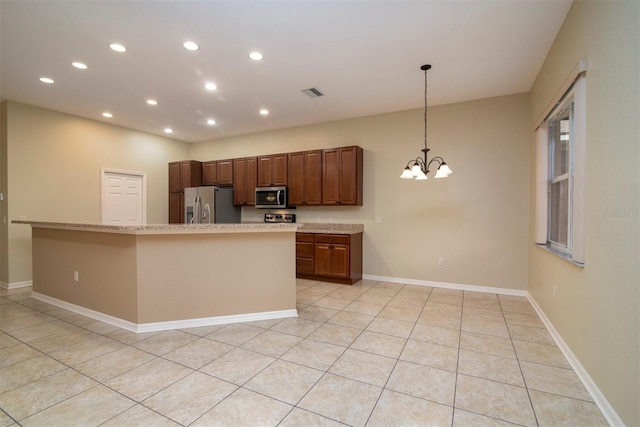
<point x="533" y="409"/>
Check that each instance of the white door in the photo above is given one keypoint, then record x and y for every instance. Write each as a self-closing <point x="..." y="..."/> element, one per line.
<point x="123" y="197"/>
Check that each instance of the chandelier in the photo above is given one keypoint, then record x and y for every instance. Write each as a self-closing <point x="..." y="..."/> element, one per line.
<point x="419" y="168"/>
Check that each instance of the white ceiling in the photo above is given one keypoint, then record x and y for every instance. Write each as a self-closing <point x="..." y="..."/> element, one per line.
<point x="365" y="56"/>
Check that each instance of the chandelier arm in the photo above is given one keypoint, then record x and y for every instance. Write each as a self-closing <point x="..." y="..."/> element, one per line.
<point x="438" y="159"/>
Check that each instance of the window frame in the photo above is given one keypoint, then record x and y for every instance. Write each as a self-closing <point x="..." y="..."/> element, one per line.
<point x="568" y="176"/>
<point x="575" y="86"/>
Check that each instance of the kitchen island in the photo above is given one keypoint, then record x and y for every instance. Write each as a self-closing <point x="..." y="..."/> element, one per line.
<point x="158" y="277"/>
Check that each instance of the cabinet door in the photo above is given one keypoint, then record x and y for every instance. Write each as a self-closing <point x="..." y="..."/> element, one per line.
<point x="279" y="169"/>
<point x="210" y="173"/>
<point x="190" y="173"/>
<point x="330" y="177"/>
<point x="265" y="166"/>
<point x="348" y="176"/>
<point x="340" y="261"/>
<point x="245" y="178"/>
<point x="322" y="259"/>
<point x="225" y="172"/>
<point x="176" y="207"/>
<point x="313" y="177"/>
<point x="305" y="178"/>
<point x="272" y="170"/>
<point x="174" y="177"/>
<point x="342" y="176"/>
<point x="252" y="180"/>
<point x="239" y="182"/>
<point x="296" y="178"/>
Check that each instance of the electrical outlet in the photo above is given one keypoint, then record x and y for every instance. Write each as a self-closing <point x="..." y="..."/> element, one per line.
<point x="554" y="291"/>
<point x="75" y="276"/>
<point x="378" y="220"/>
<point x="441" y="261"/>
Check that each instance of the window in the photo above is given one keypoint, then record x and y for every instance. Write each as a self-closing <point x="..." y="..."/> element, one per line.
<point x="560" y="176"/>
<point x="560" y="171"/>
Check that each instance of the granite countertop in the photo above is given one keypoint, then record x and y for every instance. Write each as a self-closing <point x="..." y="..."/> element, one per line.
<point x="326" y="228"/>
<point x="165" y="228"/>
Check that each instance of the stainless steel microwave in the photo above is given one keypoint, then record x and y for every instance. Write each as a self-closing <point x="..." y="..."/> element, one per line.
<point x="271" y="197"/>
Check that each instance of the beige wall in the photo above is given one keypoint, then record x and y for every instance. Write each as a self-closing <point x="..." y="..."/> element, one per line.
<point x="596" y="308"/>
<point x="54" y="172"/>
<point x="152" y="278"/>
<point x="106" y="264"/>
<point x="211" y="274"/>
<point x="476" y="219"/>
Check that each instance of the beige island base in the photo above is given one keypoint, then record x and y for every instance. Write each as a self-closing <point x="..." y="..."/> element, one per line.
<point x="160" y="277"/>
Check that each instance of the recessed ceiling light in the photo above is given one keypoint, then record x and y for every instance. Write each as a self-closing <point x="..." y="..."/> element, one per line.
<point x="152" y="102"/>
<point x="189" y="45"/>
<point x="79" y="65"/>
<point x="168" y="130"/>
<point x="46" y="80"/>
<point x="211" y="122"/>
<point x="256" y="56"/>
<point x="118" y="47"/>
<point x="107" y="115"/>
<point x="210" y="86"/>
<point x="264" y="112"/>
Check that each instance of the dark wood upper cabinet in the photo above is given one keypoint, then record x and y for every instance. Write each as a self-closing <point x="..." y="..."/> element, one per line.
<point x="182" y="174"/>
<point x="305" y="178"/>
<point x="272" y="170"/>
<point x="342" y="176"/>
<point x="210" y="173"/>
<point x="174" y="177"/>
<point x="225" y="172"/>
<point x="191" y="174"/>
<point x="327" y="177"/>
<point x="245" y="174"/>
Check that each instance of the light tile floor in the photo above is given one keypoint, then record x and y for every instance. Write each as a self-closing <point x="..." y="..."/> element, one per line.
<point x="373" y="354"/>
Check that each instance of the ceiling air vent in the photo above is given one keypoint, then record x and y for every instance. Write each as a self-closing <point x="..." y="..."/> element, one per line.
<point x="312" y="92"/>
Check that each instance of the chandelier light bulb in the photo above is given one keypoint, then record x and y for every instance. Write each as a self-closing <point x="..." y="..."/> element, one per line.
<point x="421" y="176"/>
<point x="445" y="169"/>
<point x="406" y="174"/>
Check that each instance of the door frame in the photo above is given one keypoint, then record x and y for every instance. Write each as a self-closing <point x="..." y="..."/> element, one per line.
<point x="143" y="175"/>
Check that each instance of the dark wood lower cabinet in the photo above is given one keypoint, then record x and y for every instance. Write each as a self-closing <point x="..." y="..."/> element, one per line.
<point x="329" y="257"/>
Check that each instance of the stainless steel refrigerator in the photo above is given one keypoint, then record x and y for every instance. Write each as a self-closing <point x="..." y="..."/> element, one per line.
<point x="210" y="205"/>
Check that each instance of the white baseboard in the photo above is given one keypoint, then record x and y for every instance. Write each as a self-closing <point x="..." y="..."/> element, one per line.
<point x="169" y="325"/>
<point x="460" y="287"/>
<point x="603" y="404"/>
<point x="16" y="285"/>
<point x="218" y="320"/>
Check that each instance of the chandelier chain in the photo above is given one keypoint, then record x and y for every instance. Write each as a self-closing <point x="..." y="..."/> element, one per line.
<point x="425" y="110"/>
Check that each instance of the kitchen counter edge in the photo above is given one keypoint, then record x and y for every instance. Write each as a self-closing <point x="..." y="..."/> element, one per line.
<point x="165" y="228"/>
<point x="251" y="227"/>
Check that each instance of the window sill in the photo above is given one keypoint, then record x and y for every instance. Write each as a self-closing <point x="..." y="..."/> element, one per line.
<point x="559" y="254"/>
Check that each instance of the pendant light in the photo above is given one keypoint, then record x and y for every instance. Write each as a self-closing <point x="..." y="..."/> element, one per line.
<point x="419" y="168"/>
